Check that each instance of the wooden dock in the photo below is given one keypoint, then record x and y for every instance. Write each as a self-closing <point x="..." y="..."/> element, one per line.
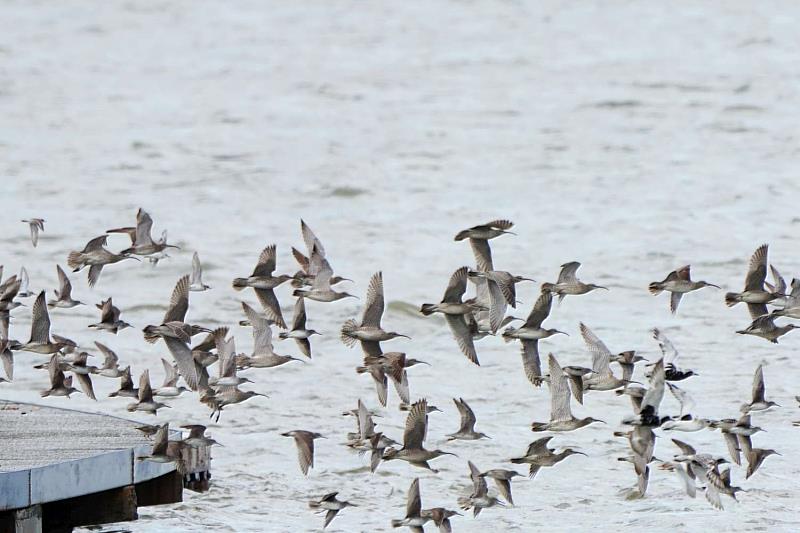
<point x="61" y="469"/>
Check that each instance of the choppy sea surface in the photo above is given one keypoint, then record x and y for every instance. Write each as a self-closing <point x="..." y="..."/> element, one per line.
<point x="632" y="137"/>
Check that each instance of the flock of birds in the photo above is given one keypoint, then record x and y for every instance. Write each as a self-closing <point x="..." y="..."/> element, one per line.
<point x="469" y="320"/>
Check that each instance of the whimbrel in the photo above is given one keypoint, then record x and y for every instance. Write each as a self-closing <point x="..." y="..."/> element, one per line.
<point x="36" y="225"/>
<point x="330" y="506"/>
<point x="304" y="440"/>
<point x="95" y="256"/>
<point x="414" y="518"/>
<point x="480" y="498"/>
<point x="502" y="478"/>
<point x="415" y="431"/>
<point x="539" y="455"/>
<point x="64" y="292"/>
<point x="754" y="293"/>
<point x="263" y="282"/>
<point x="466" y="430"/>
<point x="321" y="290"/>
<point x="529" y="335"/>
<point x="196" y="283"/>
<point x="369" y="331"/>
<point x="568" y="282"/>
<point x="59" y="385"/>
<point x="141" y="240"/>
<point x="758" y="402"/>
<point x="454" y="309"/>
<point x="561" y="417"/>
<point x="264" y="355"/>
<point x="299" y="332"/>
<point x="109" y="318"/>
<point x="678" y="282"/>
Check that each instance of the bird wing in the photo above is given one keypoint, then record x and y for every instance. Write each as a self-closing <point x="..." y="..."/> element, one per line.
<point x="601" y="355"/>
<point x="780" y="283"/>
<point x="461" y="333"/>
<point x="54" y="370"/>
<point x="40" y="321"/>
<point x="538" y="447"/>
<point x="299" y="315"/>
<point x="106" y="311"/>
<point x="366" y="425"/>
<point x="483" y="254"/>
<point x="310" y="239"/>
<point x="413" y="500"/>
<point x="266" y="261"/>
<point x="757" y="270"/>
<point x="143" y="226"/>
<point x="540" y="310"/>
<point x="568" y="273"/>
<point x="668" y="351"/>
<point x="197" y="269"/>
<point x="683" y="397"/>
<point x="733" y="447"/>
<point x="467" y="415"/>
<point x="478" y="483"/>
<point x="64" y="285"/>
<point x="95" y="244"/>
<point x="684" y="273"/>
<point x="272" y="308"/>
<point x="652" y="398"/>
<point x="179" y="302"/>
<point x="686" y="449"/>
<point x="262" y="332"/>
<point x="170" y="374"/>
<point x="161" y="440"/>
<point x="416" y="425"/>
<point x="497" y="305"/>
<point x="183" y="358"/>
<point x="86" y="385"/>
<point x="758" y="385"/>
<point x="145" y="391"/>
<point x="456" y="286"/>
<point x="531" y="362"/>
<point x="305" y="451"/>
<point x="559" y="392"/>
<point x="373" y="310"/>
<point x="321" y="270"/>
<point x="301" y="259"/>
<point x="674" y="301"/>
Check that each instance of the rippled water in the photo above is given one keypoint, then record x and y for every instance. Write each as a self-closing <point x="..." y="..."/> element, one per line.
<point x="631" y="137"/>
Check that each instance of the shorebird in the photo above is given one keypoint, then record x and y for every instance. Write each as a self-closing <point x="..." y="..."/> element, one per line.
<point x="59" y="385"/>
<point x="415" y="431"/>
<point x="299" y="332"/>
<point x="25" y="282"/>
<point x="454" y="310"/>
<point x="735" y="434"/>
<point x="109" y="318"/>
<point x="764" y="326"/>
<point x="196" y="284"/>
<point x="539" y="455"/>
<point x="602" y="379"/>
<point x="330" y="505"/>
<point x="561" y="417"/>
<point x="502" y="478"/>
<point x="670" y="356"/>
<point x="82" y="371"/>
<point x="110" y="368"/>
<point x="699" y="466"/>
<point x="466" y="430"/>
<point x="568" y="282"/>
<point x="197" y="436"/>
<point x="170" y="388"/>
<point x="414" y="519"/>
<point x="95" y="256"/>
<point x="225" y="395"/>
<point x="321" y="290"/>
<point x="484" y="232"/>
<point x="635" y="393"/>
<point x="161" y="452"/>
<point x="126" y="388"/>
<point x="758" y="402"/>
<point x="790" y="302"/>
<point x="145" y="401"/>
<point x="369" y="331"/>
<point x="754" y="294"/>
<point x="642" y="442"/>
<point x="576" y="375"/>
<point x="529" y="335"/>
<point x="141" y="240"/>
<point x="177" y="333"/>
<point x="627" y="361"/>
<point x="495" y="290"/>
<point x="40" y="330"/>
<point x="755" y="457"/>
<point x="678" y="282"/>
<point x="36" y="225"/>
<point x="64" y="293"/>
<point x="479" y="499"/>
<point x="311" y="265"/>
<point x="264" y="355"/>
<point x="263" y="282"/>
<point x="305" y="447"/>
<point x="441" y="518"/>
<point x="392" y="365"/>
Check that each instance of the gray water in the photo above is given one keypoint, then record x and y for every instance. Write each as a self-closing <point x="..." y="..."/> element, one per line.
<point x="633" y="137"/>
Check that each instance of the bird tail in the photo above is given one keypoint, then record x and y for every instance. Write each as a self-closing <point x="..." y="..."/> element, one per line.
<point x="732" y="298"/>
<point x="74" y="260"/>
<point x="239" y="283"/>
<point x="44" y="393"/>
<point x="517" y="460"/>
<point x="655" y="288"/>
<point x="347" y="332"/>
<point x="465" y="503"/>
<point x="298" y="292"/>
<point x="427" y="309"/>
<point x="547" y="287"/>
<point x="507" y="335"/>
<point x="397" y="523"/>
<point x="313" y="505"/>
